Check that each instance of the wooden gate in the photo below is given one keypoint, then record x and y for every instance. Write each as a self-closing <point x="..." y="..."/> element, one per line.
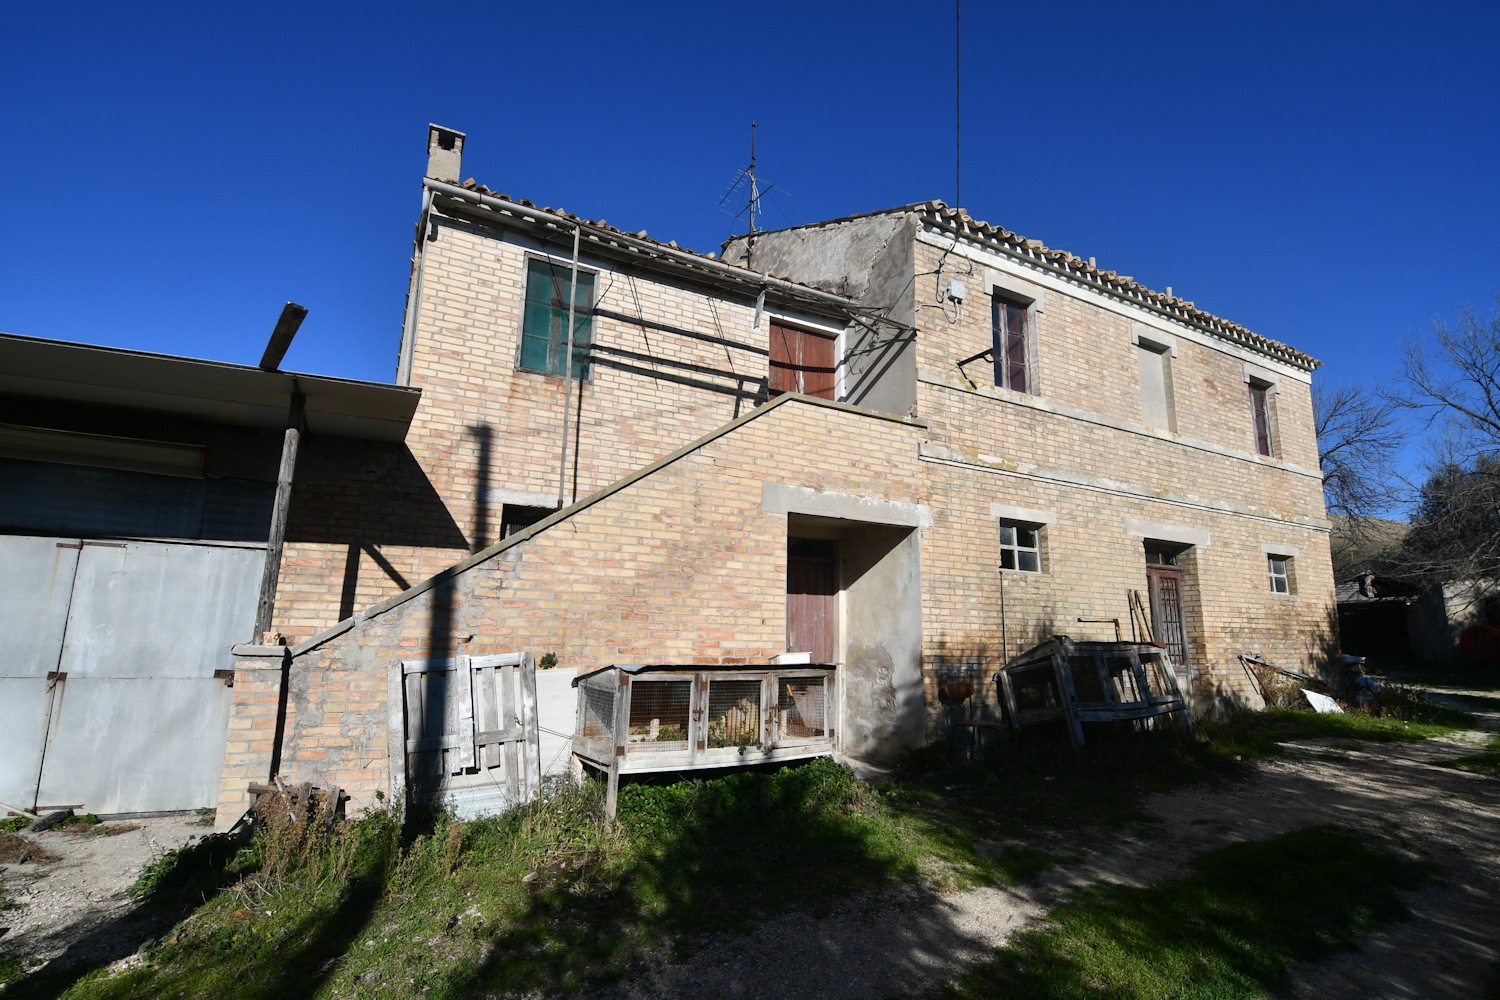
<point x="469" y="729"/>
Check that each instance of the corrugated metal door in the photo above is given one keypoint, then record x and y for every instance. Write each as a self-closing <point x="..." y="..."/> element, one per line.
<point x="36" y="580"/>
<point x="812" y="600"/>
<point x="138" y="721"/>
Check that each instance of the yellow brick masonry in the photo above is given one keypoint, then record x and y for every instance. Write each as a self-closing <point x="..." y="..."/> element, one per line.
<point x="1086" y="361"/>
<point x="681" y="566"/>
<point x="466" y="351"/>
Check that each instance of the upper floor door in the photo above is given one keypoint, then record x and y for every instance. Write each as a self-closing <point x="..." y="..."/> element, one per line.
<point x="803" y="361"/>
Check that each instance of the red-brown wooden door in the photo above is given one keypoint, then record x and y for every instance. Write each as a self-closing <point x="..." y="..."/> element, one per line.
<point x="802" y="361"/>
<point x="812" y="595"/>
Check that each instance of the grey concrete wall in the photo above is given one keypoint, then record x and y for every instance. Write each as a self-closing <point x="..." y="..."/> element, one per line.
<point x="882" y="674"/>
<point x="1435" y="622"/>
<point x="871" y="259"/>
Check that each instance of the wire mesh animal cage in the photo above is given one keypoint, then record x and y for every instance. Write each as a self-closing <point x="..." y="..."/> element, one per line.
<point x="665" y="717"/>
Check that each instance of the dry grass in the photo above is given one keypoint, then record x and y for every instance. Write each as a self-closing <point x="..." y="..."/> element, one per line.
<point x="15" y="849"/>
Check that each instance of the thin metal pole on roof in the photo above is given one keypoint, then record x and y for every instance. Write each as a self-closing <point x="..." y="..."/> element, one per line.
<point x="567" y="366"/>
<point x="958" y="118"/>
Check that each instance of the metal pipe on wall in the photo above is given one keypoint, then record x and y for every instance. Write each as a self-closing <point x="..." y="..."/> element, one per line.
<point x="567" y="367"/>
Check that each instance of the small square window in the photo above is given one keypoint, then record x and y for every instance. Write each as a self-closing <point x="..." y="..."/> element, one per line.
<point x="1020" y="547"/>
<point x="1281" y="574"/>
<point x="544" y="326"/>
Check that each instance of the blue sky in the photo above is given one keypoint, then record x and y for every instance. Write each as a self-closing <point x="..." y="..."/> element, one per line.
<point x="1325" y="175"/>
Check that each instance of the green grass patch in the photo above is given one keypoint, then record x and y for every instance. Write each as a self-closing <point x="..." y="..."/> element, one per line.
<point x="1233" y="930"/>
<point x="542" y="899"/>
<point x="1260" y="734"/>
<point x="11" y="824"/>
<point x="1485" y="762"/>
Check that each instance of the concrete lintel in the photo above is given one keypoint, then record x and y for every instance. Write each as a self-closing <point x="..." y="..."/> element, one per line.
<point x="1140" y="332"/>
<point x="1281" y="550"/>
<point x="1268" y="378"/>
<point x="521" y="498"/>
<point x="1167" y="532"/>
<point x="246" y="649"/>
<point x="1026" y="515"/>
<point x="1029" y="295"/>
<point x="778" y="498"/>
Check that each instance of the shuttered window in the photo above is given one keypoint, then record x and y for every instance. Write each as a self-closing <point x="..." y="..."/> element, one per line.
<point x="1260" y="408"/>
<point x="545" y="324"/>
<point x="803" y="361"/>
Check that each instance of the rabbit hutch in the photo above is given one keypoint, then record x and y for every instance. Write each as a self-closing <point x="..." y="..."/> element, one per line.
<point x="635" y="719"/>
<point x="1131" y="683"/>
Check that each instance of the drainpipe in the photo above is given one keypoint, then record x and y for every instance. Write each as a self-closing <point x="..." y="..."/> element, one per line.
<point x="409" y="330"/>
<point x="567" y="367"/>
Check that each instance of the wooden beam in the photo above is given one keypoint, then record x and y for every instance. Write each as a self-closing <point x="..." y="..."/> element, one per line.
<point x="271" y="575"/>
<point x="291" y="318"/>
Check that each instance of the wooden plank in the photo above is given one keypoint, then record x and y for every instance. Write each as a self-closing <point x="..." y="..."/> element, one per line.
<point x="395" y="733"/>
<point x="506" y="676"/>
<point x="434" y="744"/>
<point x="493" y="737"/>
<point x="531" y="749"/>
<point x="429" y="666"/>
<point x="463" y="754"/>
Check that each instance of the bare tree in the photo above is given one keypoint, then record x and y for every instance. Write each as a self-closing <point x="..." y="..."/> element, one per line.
<point x="1454" y="380"/>
<point x="1358" y="437"/>
<point x="1457" y="383"/>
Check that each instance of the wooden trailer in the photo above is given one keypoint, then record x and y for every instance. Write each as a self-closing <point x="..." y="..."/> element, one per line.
<point x="1080" y="682"/>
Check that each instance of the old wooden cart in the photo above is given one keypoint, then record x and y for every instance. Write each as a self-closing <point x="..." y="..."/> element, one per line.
<point x="640" y="718"/>
<point x="1090" y="682"/>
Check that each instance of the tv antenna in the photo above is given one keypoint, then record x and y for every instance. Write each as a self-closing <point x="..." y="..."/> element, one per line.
<point x="747" y="186"/>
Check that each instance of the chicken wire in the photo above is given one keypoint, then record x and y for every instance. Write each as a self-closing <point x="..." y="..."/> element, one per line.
<point x="660" y="711"/>
<point x="802" y="708"/>
<point x="596" y="721"/>
<point x="733" y="714"/>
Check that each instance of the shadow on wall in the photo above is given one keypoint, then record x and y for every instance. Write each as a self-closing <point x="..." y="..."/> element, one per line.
<point x="976" y="662"/>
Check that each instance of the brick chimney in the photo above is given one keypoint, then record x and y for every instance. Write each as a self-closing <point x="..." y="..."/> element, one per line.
<point x="445" y="149"/>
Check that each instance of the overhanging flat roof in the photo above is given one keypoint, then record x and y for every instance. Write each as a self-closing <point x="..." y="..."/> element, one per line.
<point x="216" y="391"/>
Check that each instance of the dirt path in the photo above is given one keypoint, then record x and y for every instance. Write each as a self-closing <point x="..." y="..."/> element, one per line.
<point x="1392" y="795"/>
<point x="70" y="907"/>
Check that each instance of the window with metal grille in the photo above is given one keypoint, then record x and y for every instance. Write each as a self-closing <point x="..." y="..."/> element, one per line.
<point x="733" y="714"/>
<point x="1020" y="547"/>
<point x="1008" y="320"/>
<point x="659" y="711"/>
<point x="1281" y="574"/>
<point x="801" y="708"/>
<point x="544" y="326"/>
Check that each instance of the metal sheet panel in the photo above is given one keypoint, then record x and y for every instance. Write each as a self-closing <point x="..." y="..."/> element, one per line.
<point x="153" y="609"/>
<point x="36" y="577"/>
<point x="137" y="744"/>
<point x="23" y="726"/>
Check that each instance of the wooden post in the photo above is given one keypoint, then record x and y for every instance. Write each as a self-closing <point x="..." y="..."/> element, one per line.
<point x="617" y="754"/>
<point x="266" y="606"/>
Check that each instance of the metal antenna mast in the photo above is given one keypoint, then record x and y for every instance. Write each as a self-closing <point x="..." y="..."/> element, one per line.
<point x="749" y="183"/>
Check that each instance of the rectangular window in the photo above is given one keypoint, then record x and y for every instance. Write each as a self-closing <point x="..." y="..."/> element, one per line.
<point x="1020" y="547"/>
<point x="1009" y="323"/>
<point x="1281" y="574"/>
<point x="544" y="326"/>
<point x="1156" y="386"/>
<point x="803" y="361"/>
<point x="1260" y="408"/>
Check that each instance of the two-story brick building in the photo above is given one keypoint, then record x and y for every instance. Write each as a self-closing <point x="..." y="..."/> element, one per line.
<point x="906" y="442"/>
